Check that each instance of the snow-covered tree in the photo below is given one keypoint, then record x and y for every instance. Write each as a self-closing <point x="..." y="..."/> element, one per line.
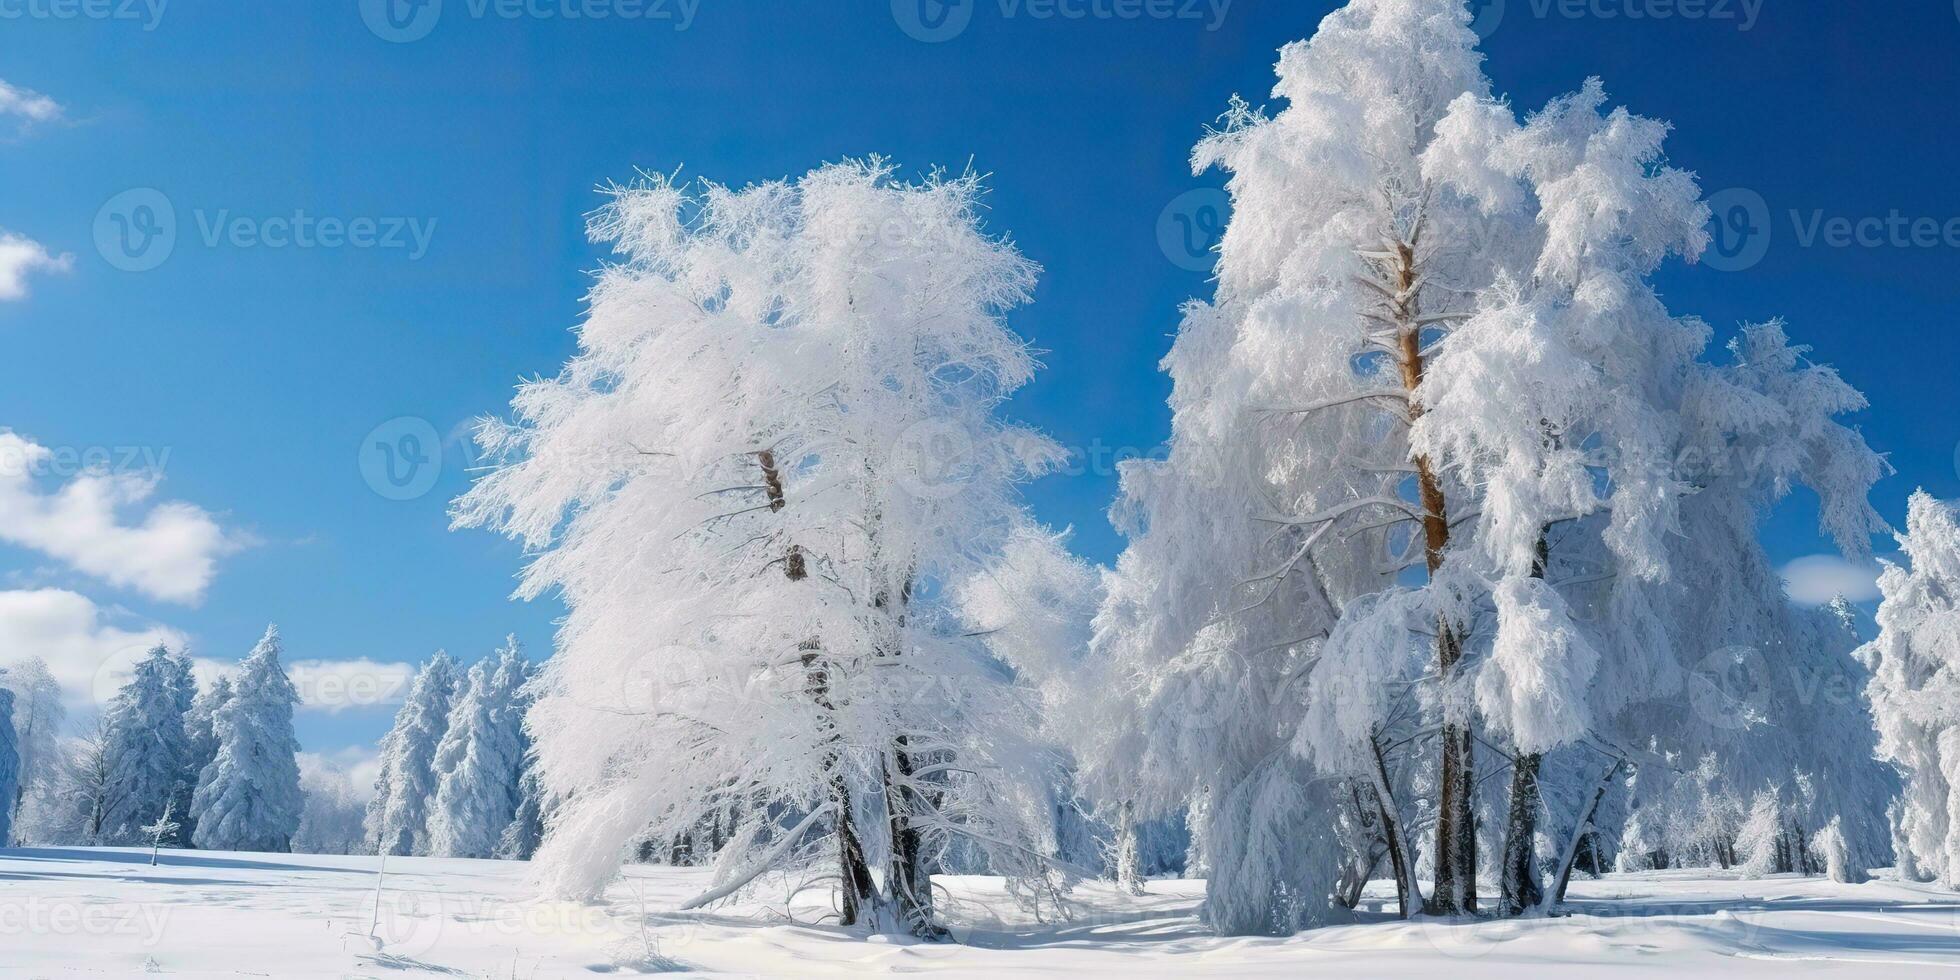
<point x="1915" y="690"/>
<point x="332" y="820"/>
<point x="147" y="748"/>
<point x="777" y="441"/>
<point x="397" y="816"/>
<point x="520" y="840"/>
<point x="38" y="714"/>
<point x="201" y="743"/>
<point x="480" y="761"/>
<point x="10" y="771"/>
<point x="249" y="797"/>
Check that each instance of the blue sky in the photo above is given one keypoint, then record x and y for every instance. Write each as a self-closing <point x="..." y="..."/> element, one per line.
<point x="443" y="166"/>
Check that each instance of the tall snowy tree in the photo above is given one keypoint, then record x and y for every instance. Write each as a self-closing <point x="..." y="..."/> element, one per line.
<point x="147" y="748"/>
<point x="38" y="714"/>
<point x="1915" y="690"/>
<point x="397" y="816"/>
<point x="481" y="760"/>
<point x="249" y="797"/>
<point x="778" y="438"/>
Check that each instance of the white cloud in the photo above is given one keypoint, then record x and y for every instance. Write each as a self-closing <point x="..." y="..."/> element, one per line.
<point x="20" y="256"/>
<point x="90" y="656"/>
<point x="1817" y="579"/>
<point x="334" y="686"/>
<point x="171" y="555"/>
<point x="28" y="105"/>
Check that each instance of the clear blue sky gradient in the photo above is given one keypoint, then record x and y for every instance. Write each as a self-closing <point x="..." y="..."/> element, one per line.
<point x="261" y="369"/>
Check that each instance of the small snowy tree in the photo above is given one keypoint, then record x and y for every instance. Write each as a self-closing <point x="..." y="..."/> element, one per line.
<point x="397" y="816"/>
<point x="481" y="760"/>
<point x="249" y="797"/>
<point x="1915" y="690"/>
<point x="147" y="748"/>
<point x="162" y="828"/>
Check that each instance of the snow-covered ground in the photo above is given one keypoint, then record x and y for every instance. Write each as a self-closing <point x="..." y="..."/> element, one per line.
<point x="76" y="912"/>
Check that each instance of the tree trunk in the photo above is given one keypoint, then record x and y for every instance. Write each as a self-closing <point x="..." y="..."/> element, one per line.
<point x="1520" y="888"/>
<point x="1456" y="832"/>
<point x="1579" y="829"/>
<point x="909" y="881"/>
<point x="1129" y="862"/>
<point x="856" y="890"/>
<point x="1408" y="892"/>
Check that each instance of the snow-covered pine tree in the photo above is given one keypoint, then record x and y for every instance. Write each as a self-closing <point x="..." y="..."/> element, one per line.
<point x="38" y="714"/>
<point x="480" y="761"/>
<point x="249" y="797"/>
<point x="1915" y="690"/>
<point x="183" y="685"/>
<point x="526" y="831"/>
<point x="147" y="748"/>
<point x="778" y="438"/>
<point x="201" y="745"/>
<point x="397" y="816"/>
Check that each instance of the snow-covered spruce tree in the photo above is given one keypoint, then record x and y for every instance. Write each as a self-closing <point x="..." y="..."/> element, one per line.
<point x="481" y="759"/>
<point x="520" y="840"/>
<point x="778" y="439"/>
<point x="249" y="797"/>
<point x="184" y="689"/>
<point x="147" y="748"/>
<point x="398" y="814"/>
<point x="1915" y="690"/>
<point x="200" y="745"/>
<point x="38" y="714"/>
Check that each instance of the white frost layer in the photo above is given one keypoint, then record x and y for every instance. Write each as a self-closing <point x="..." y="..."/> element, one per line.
<point x="105" y="912"/>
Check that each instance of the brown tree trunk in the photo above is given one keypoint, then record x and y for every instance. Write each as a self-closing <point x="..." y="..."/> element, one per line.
<point x="1456" y="832"/>
<point x="856" y="889"/>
